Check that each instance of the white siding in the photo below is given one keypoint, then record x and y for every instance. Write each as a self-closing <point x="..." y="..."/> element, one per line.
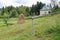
<point x="42" y="13"/>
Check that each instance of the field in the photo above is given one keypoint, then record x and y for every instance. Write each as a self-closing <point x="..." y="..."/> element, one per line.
<point x="46" y="28"/>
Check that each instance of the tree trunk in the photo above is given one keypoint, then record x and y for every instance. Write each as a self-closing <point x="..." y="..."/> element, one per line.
<point x="6" y="22"/>
<point x="38" y="13"/>
<point x="35" y="13"/>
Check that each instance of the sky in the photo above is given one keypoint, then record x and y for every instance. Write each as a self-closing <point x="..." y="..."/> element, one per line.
<point x="20" y="2"/>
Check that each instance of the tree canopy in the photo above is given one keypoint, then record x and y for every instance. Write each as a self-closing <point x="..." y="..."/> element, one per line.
<point x="27" y="11"/>
<point x="36" y="8"/>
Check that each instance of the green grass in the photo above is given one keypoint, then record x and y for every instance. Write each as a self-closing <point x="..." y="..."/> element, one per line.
<point x="46" y="28"/>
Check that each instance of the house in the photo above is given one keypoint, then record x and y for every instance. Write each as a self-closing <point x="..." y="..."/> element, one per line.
<point x="44" y="11"/>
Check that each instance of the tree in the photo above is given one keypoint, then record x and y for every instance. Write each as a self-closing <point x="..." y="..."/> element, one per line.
<point x="5" y="18"/>
<point x="50" y="6"/>
<point x="33" y="9"/>
<point x="54" y="3"/>
<point x="18" y="11"/>
<point x="59" y="2"/>
<point x="13" y="13"/>
<point x="27" y="11"/>
<point x="39" y="7"/>
<point x="36" y="8"/>
<point x="2" y="11"/>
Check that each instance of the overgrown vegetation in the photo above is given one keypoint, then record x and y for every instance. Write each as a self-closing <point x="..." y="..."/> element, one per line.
<point x="46" y="28"/>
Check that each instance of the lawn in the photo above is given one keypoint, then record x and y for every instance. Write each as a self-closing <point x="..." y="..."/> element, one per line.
<point x="45" y="29"/>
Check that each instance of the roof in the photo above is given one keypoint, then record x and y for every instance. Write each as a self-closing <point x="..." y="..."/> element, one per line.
<point x="45" y="8"/>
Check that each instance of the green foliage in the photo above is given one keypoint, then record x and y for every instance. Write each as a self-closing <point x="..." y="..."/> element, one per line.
<point x="2" y="11"/>
<point x="27" y="11"/>
<point x="36" y="8"/>
<point x="38" y="34"/>
<point x="13" y="13"/>
<point x="16" y="11"/>
<point x="5" y="18"/>
<point x="55" y="10"/>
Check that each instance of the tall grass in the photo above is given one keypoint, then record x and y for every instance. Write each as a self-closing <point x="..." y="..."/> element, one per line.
<point x="46" y="28"/>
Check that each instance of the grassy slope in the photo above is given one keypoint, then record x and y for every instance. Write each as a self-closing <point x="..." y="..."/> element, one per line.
<point x="24" y="31"/>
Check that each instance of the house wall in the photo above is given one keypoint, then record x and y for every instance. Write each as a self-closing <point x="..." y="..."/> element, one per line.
<point x="43" y="13"/>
